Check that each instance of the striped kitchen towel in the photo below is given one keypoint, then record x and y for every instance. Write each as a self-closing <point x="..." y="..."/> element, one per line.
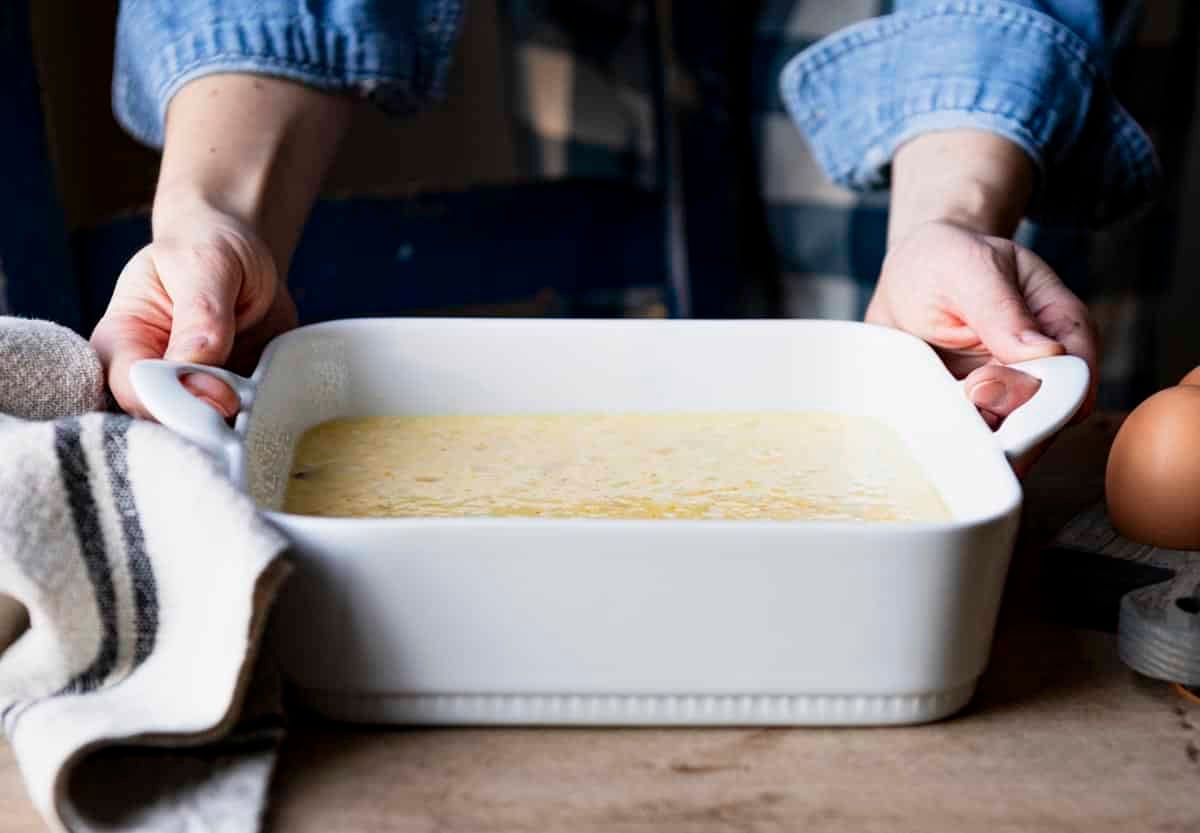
<point x="134" y="584"/>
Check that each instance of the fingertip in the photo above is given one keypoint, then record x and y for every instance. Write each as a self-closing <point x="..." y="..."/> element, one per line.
<point x="999" y="390"/>
<point x="220" y="407"/>
<point x="989" y="394"/>
<point x="1038" y="339"/>
<point x="213" y="391"/>
<point x="1025" y="346"/>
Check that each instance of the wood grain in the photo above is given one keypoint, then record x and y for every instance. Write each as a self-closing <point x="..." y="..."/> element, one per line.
<point x="1061" y="737"/>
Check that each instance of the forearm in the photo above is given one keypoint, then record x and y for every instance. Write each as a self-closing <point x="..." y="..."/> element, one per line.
<point x="252" y="147"/>
<point x="971" y="178"/>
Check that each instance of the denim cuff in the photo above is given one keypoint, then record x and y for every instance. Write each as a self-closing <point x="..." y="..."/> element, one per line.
<point x="986" y="64"/>
<point x="397" y="60"/>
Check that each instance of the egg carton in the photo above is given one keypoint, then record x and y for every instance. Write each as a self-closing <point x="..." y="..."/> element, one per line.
<point x="1150" y="596"/>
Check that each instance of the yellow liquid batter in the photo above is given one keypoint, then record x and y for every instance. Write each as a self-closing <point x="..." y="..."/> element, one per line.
<point x="774" y="465"/>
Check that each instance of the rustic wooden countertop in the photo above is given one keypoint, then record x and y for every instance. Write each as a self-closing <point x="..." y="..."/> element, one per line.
<point x="1060" y="737"/>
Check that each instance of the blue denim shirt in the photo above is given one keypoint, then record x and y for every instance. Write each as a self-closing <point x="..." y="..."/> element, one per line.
<point x="1034" y="71"/>
<point x="395" y="52"/>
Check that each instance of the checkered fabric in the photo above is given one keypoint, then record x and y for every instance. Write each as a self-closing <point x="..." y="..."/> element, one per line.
<point x="590" y="82"/>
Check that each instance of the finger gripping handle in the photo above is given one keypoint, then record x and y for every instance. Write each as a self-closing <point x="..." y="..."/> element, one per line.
<point x="1065" y="381"/>
<point x="158" y="384"/>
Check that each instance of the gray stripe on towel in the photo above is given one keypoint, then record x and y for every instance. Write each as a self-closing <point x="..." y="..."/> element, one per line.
<point x="141" y="572"/>
<point x="76" y="477"/>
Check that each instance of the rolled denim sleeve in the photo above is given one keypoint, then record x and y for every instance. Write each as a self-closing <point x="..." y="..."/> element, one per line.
<point x="395" y="52"/>
<point x="1034" y="72"/>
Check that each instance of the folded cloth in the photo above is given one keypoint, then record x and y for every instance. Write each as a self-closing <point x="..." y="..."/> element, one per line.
<point x="135" y="581"/>
<point x="47" y="371"/>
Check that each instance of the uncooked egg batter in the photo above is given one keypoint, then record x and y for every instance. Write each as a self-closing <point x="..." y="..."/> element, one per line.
<point x="771" y="465"/>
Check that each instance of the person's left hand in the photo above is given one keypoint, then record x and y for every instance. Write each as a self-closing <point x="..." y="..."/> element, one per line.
<point x="983" y="302"/>
<point x="207" y="291"/>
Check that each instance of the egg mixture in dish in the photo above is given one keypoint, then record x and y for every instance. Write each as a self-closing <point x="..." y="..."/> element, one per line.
<point x="754" y="465"/>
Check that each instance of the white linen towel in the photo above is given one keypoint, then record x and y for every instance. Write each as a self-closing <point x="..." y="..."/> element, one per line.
<point x="134" y="585"/>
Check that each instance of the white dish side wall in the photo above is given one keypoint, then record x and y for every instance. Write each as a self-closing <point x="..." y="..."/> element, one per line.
<point x="405" y="619"/>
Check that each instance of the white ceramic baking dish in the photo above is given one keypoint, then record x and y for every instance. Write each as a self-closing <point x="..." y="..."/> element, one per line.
<point x="540" y="621"/>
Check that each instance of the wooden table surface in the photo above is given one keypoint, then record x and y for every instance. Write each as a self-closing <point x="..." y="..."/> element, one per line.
<point x="1060" y="737"/>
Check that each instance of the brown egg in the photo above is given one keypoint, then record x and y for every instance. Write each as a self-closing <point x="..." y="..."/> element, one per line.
<point x="1192" y="378"/>
<point x="1152" y="483"/>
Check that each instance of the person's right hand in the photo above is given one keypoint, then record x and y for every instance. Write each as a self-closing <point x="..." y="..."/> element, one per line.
<point x="207" y="291"/>
<point x="984" y="302"/>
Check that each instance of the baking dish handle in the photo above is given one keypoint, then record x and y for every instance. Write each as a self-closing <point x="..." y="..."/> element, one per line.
<point x="1064" y="387"/>
<point x="158" y="383"/>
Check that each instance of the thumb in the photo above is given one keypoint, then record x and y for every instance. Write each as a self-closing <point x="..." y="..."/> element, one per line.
<point x="202" y="282"/>
<point x="1004" y="324"/>
<point x="202" y="323"/>
<point x="202" y="331"/>
<point x="203" y="293"/>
